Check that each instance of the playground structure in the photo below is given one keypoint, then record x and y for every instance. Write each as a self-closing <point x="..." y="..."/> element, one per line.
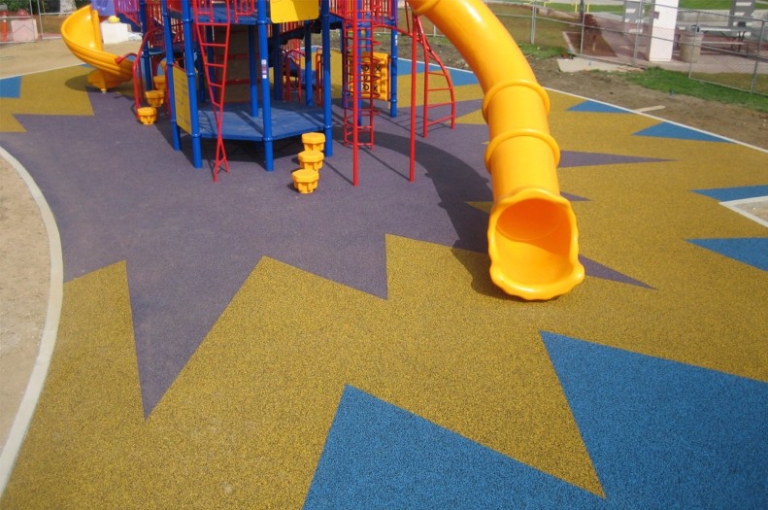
<point x="532" y="233"/>
<point x="212" y="52"/>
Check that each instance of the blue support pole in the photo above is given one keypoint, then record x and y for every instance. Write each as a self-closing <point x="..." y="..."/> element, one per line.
<point x="169" y="62"/>
<point x="325" y="19"/>
<point x="146" y="58"/>
<point x="253" y="71"/>
<point x="266" y="109"/>
<point x="393" y="60"/>
<point x="189" y="67"/>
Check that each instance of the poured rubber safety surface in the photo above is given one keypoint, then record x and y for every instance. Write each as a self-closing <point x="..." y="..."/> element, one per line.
<point x="241" y="345"/>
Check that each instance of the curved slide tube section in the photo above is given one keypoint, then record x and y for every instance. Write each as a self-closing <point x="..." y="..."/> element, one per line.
<point x="532" y="234"/>
<point x="82" y="35"/>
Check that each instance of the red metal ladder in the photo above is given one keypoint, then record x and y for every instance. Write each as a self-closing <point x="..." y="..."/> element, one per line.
<point x="215" y="57"/>
<point x="359" y="70"/>
<point x="443" y="77"/>
<point x="359" y="66"/>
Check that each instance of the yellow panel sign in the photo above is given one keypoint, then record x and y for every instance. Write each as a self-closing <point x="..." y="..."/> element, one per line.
<point x="374" y="76"/>
<point x="181" y="99"/>
<point x="283" y="11"/>
<point x="381" y="75"/>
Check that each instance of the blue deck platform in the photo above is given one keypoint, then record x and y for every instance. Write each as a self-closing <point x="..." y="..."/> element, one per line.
<point x="288" y="120"/>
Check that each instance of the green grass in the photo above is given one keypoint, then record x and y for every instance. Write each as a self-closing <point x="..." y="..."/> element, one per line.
<point x="679" y="83"/>
<point x="543" y="52"/>
<point x="708" y="5"/>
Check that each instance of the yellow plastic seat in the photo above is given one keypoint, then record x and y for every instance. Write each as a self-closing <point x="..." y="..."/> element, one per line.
<point x="313" y="141"/>
<point x="311" y="160"/>
<point x="305" y="180"/>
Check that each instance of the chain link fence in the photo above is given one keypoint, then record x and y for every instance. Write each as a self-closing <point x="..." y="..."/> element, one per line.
<point x="723" y="47"/>
<point x="23" y="21"/>
<point x="717" y="46"/>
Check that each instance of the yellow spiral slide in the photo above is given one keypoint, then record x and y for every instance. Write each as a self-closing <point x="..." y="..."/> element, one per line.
<point x="532" y="234"/>
<point x="81" y="32"/>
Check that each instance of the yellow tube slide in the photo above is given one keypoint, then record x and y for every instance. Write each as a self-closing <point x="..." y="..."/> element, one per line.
<point x="81" y="32"/>
<point x="532" y="234"/>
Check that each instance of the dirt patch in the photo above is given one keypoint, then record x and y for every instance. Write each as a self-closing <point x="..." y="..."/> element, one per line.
<point x="24" y="285"/>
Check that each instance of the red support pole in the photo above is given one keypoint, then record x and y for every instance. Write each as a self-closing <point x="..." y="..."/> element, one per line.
<point x="355" y="97"/>
<point x="414" y="55"/>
